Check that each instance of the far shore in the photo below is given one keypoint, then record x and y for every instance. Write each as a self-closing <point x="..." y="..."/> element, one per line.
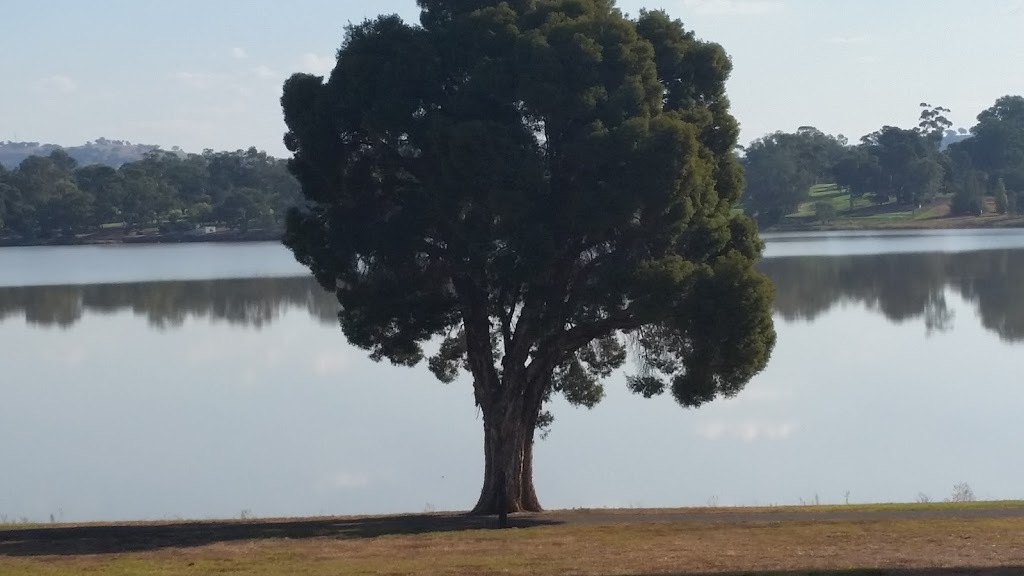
<point x="986" y="221"/>
<point x="100" y="239"/>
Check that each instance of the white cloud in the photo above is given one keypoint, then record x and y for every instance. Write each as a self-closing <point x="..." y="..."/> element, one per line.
<point x="56" y="83"/>
<point x="735" y="7"/>
<point x="264" y="72"/>
<point x="749" y="431"/>
<point x="342" y="481"/>
<point x="239" y="82"/>
<point x="239" y="53"/>
<point x="198" y="80"/>
<point x="317" y="64"/>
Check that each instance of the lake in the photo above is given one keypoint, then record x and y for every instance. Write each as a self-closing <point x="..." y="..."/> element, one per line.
<point x="211" y="380"/>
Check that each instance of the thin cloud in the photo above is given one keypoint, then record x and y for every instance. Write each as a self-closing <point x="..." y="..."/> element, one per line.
<point x="264" y="72"/>
<point x="735" y="7"/>
<point x="317" y="64"/>
<point x="239" y="53"/>
<point x="56" y="83"/>
<point x="239" y="82"/>
<point x="846" y="40"/>
<point x="747" y="431"/>
<point x="198" y="80"/>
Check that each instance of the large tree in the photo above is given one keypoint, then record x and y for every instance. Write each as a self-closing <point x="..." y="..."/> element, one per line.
<point x="537" y="185"/>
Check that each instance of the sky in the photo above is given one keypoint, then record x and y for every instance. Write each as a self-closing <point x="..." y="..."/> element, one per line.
<point x="200" y="74"/>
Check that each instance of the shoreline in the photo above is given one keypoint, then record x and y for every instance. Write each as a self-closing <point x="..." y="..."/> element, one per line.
<point x="119" y="240"/>
<point x="108" y="237"/>
<point x="984" y="222"/>
<point x="963" y="223"/>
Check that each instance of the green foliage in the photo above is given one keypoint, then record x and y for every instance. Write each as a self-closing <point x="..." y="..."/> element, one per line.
<point x="911" y="172"/>
<point x="859" y="172"/>
<point x="1001" y="197"/>
<point x="780" y="169"/>
<point x="968" y="195"/>
<point x="532" y="180"/>
<point x="47" y="196"/>
<point x="997" y="147"/>
<point x="824" y="211"/>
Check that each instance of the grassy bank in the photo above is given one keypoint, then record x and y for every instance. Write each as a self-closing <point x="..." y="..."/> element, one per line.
<point x="864" y="215"/>
<point x="905" y="540"/>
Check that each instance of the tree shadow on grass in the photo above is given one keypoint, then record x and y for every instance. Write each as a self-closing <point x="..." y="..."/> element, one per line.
<point x="113" y="539"/>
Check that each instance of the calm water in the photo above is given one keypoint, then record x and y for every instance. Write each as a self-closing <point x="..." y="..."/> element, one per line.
<point x="137" y="384"/>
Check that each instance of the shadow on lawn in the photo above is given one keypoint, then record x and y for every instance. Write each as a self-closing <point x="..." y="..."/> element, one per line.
<point x="97" y="539"/>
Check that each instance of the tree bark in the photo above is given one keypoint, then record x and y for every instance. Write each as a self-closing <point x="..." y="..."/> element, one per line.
<point x="508" y="463"/>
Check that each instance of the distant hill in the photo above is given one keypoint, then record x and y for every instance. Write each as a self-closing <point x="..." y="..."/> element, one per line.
<point x="101" y="151"/>
<point x="954" y="136"/>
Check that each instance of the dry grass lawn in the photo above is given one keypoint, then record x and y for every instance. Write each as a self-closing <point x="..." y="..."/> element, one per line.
<point x="933" y="545"/>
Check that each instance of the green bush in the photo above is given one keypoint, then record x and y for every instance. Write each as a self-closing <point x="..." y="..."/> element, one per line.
<point x="824" y="211"/>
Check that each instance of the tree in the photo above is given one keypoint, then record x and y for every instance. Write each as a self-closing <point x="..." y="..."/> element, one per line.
<point x="781" y="168"/>
<point x="858" y="172"/>
<point x="539" y="185"/>
<point x="933" y="123"/>
<point x="824" y="211"/>
<point x="242" y="206"/>
<point x="1002" y="200"/>
<point x="909" y="162"/>
<point x="968" y="195"/>
<point x="997" y="145"/>
<point x="67" y="210"/>
<point x="107" y="188"/>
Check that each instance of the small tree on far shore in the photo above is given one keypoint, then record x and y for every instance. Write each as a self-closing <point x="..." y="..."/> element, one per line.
<point x="1002" y="199"/>
<point x="824" y="211"/>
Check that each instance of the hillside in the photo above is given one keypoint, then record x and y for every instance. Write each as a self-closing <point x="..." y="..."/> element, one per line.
<point x="862" y="214"/>
<point x="100" y="151"/>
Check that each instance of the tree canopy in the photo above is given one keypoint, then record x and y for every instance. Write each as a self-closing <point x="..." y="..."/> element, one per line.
<point x="543" y="186"/>
<point x="48" y="196"/>
<point x="907" y="166"/>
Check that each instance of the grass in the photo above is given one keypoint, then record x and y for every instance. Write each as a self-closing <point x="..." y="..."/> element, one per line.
<point x="864" y="215"/>
<point x="557" y="543"/>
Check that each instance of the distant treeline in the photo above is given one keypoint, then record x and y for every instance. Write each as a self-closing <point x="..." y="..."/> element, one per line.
<point x="100" y="151"/>
<point x="52" y="196"/>
<point x="905" y="166"/>
<point x="55" y="195"/>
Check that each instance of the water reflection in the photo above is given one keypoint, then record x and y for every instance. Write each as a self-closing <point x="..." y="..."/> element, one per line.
<point x="905" y="286"/>
<point x="902" y="287"/>
<point x="253" y="302"/>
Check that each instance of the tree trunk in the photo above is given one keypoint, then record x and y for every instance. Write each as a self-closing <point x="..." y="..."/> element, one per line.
<point x="508" y="464"/>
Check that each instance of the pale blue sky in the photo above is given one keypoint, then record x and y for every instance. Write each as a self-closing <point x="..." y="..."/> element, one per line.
<point x="200" y="74"/>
